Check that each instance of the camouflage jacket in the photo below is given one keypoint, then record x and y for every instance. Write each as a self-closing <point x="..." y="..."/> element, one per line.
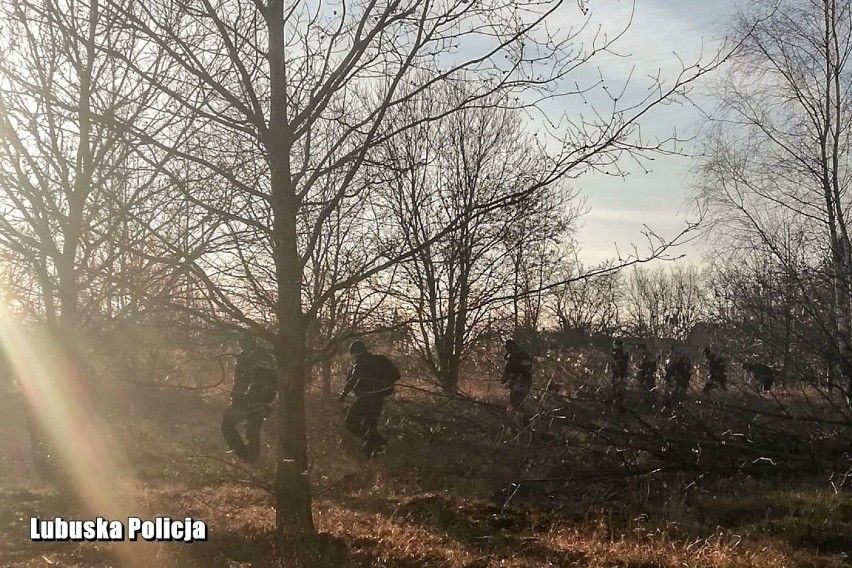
<point x="254" y="378"/>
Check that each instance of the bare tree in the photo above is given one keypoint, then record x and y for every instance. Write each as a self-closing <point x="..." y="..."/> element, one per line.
<point x="588" y="306"/>
<point x="777" y="146"/>
<point x="775" y="305"/>
<point x="663" y="303"/>
<point x="68" y="177"/>
<point x="446" y="172"/>
<point x="281" y="98"/>
<point x="538" y="246"/>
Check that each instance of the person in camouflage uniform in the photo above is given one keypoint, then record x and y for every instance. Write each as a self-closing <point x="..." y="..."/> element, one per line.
<point x="371" y="378"/>
<point x="620" y="363"/>
<point x="678" y="374"/>
<point x="765" y="375"/>
<point x="517" y="374"/>
<point x="717" y="377"/>
<point x="646" y="371"/>
<point x="255" y="387"/>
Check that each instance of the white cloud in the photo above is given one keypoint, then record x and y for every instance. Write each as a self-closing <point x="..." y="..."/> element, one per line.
<point x="629" y="215"/>
<point x="654" y="31"/>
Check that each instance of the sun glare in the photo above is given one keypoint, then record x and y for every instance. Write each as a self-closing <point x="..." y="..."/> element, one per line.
<point x="62" y="410"/>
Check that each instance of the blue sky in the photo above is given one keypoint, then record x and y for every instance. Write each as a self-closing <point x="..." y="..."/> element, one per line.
<point x="659" y="199"/>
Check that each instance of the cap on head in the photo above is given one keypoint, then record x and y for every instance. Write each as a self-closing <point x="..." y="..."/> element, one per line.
<point x="356" y="347"/>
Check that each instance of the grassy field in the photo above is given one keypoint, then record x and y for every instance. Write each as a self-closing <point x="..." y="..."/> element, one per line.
<point x="463" y="485"/>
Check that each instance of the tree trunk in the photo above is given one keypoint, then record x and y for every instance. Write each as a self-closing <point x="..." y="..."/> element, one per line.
<point x="77" y="193"/>
<point x="292" y="483"/>
<point x="449" y="377"/>
<point x="843" y="250"/>
<point x="448" y="357"/>
<point x="292" y="486"/>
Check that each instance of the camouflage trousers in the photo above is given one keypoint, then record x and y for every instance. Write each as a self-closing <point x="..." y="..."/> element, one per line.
<point x="619" y="389"/>
<point x="362" y="420"/>
<point x="253" y="416"/>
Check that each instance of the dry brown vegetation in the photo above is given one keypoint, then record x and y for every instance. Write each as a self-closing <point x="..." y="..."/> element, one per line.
<point x="463" y="485"/>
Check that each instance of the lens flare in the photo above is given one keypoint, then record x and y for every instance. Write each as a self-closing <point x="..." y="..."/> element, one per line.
<point x="62" y="406"/>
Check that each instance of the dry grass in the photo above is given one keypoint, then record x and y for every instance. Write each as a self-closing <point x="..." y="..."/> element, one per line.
<point x="438" y="498"/>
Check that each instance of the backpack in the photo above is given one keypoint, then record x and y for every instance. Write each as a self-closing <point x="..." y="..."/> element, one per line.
<point x="384" y="372"/>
